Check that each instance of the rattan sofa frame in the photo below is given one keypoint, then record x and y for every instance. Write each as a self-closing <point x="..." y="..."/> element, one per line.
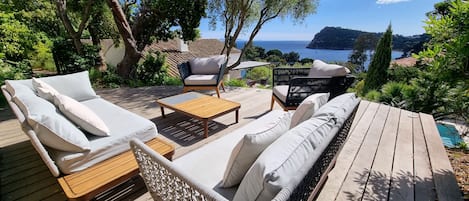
<point x="166" y="182"/>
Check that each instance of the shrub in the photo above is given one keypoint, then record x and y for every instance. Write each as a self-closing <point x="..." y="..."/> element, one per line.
<point x="259" y="73"/>
<point x="236" y="83"/>
<point x="393" y="93"/>
<point x="151" y="70"/>
<point x="373" y="95"/>
<point x="403" y="74"/>
<point x="173" y="81"/>
<point x="67" y="60"/>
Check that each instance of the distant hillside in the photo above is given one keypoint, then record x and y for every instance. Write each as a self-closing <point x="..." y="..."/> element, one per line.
<point x="337" y="38"/>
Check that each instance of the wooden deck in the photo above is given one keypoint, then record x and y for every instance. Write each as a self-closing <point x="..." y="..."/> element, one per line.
<point x="23" y="175"/>
<point x="391" y="154"/>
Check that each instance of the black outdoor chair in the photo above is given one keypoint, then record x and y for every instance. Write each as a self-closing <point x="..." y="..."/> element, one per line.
<point x="292" y="85"/>
<point x="201" y="82"/>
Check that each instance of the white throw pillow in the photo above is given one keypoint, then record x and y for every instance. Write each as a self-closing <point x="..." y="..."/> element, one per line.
<point x="284" y="163"/>
<point x="51" y="128"/>
<point x="44" y="90"/>
<point x="207" y="65"/>
<point x="81" y="115"/>
<point x="248" y="149"/>
<point x="75" y="85"/>
<point x="321" y="69"/>
<point x="307" y="108"/>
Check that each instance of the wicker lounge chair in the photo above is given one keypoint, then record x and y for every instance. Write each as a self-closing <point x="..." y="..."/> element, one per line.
<point x="292" y="85"/>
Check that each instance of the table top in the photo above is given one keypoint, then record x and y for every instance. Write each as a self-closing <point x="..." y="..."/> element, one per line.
<point x="198" y="105"/>
<point x="391" y="154"/>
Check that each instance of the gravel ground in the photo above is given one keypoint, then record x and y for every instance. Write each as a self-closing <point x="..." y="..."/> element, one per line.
<point x="459" y="159"/>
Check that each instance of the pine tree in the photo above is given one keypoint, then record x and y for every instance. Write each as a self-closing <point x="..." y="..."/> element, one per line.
<point x="377" y="71"/>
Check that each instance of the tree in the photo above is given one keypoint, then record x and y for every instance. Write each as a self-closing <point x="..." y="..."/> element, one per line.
<point x="154" y="20"/>
<point x="274" y="52"/>
<point x="358" y="55"/>
<point x="377" y="72"/>
<point x="291" y="57"/>
<point x="238" y="16"/>
<point x="254" y="53"/>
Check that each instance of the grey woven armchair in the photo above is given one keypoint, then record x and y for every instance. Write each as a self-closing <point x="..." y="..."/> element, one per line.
<point x="201" y="82"/>
<point x="292" y="85"/>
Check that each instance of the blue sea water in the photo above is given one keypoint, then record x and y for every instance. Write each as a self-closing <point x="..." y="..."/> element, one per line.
<point x="300" y="48"/>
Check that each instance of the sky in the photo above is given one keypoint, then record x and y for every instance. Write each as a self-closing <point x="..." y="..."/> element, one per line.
<point x="406" y="17"/>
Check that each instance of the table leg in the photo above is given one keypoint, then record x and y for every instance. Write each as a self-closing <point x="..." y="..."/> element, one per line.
<point x="162" y="112"/>
<point x="237" y="116"/>
<point x="205" y="127"/>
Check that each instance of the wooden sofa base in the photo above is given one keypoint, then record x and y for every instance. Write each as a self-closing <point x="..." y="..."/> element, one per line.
<point x="86" y="184"/>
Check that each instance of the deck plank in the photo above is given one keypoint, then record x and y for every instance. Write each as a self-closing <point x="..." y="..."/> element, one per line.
<point x="344" y="161"/>
<point x="377" y="187"/>
<point x="443" y="174"/>
<point x="355" y="182"/>
<point x="424" y="185"/>
<point x="402" y="186"/>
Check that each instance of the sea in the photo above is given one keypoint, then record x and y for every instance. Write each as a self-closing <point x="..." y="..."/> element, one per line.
<point x="300" y="47"/>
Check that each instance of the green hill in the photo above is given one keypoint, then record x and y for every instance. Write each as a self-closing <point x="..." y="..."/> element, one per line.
<point x="338" y="38"/>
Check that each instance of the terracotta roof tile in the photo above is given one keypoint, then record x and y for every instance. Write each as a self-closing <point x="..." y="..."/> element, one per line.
<point x="198" y="48"/>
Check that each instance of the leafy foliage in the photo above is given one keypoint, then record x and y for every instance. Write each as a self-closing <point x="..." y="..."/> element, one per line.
<point x="377" y="72"/>
<point x="236" y="83"/>
<point x="152" y="70"/>
<point x="259" y="73"/>
<point x="403" y="74"/>
<point x="240" y="16"/>
<point x="67" y="59"/>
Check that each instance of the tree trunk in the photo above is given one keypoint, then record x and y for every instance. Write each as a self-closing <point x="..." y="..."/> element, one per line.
<point x="132" y="55"/>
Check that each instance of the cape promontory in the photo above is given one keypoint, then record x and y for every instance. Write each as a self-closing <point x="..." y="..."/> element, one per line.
<point x="337" y="38"/>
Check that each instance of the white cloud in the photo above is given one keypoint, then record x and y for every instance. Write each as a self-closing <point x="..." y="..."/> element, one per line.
<point x="389" y="1"/>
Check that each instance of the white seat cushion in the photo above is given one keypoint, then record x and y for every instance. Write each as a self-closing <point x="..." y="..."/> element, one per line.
<point x="123" y="125"/>
<point x="287" y="160"/>
<point x="207" y="164"/>
<point x="321" y="69"/>
<point x="207" y="65"/>
<point x="248" y="149"/>
<point x="281" y="92"/>
<point x="81" y="115"/>
<point x="201" y="80"/>
<point x="307" y="108"/>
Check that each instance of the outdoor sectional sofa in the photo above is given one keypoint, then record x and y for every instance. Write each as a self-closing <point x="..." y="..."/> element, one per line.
<point x="63" y="146"/>
<point x="276" y="157"/>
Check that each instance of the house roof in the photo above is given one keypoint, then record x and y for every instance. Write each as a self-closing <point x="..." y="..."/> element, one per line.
<point x="197" y="48"/>
<point x="404" y="62"/>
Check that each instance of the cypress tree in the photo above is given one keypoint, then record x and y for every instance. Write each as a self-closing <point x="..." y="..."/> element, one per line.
<point x="377" y="71"/>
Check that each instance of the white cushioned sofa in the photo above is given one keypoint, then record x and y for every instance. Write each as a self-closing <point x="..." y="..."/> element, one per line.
<point x="68" y="146"/>
<point x="271" y="158"/>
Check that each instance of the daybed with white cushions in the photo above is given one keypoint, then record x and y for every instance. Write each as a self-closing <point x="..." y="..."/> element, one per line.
<point x="203" y="73"/>
<point x="293" y="85"/>
<point x="280" y="156"/>
<point x="71" y="127"/>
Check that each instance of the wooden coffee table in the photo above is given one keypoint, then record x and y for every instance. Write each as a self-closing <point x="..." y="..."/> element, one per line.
<point x="199" y="106"/>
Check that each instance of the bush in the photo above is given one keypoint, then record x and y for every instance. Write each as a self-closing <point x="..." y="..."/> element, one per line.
<point x="373" y="95"/>
<point x="151" y="70"/>
<point x="259" y="73"/>
<point x="403" y="74"/>
<point x="67" y="60"/>
<point x="394" y="94"/>
<point x="13" y="71"/>
<point x="236" y="83"/>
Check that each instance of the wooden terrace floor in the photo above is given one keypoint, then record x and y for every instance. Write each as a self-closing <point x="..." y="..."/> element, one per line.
<point x="23" y="175"/>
